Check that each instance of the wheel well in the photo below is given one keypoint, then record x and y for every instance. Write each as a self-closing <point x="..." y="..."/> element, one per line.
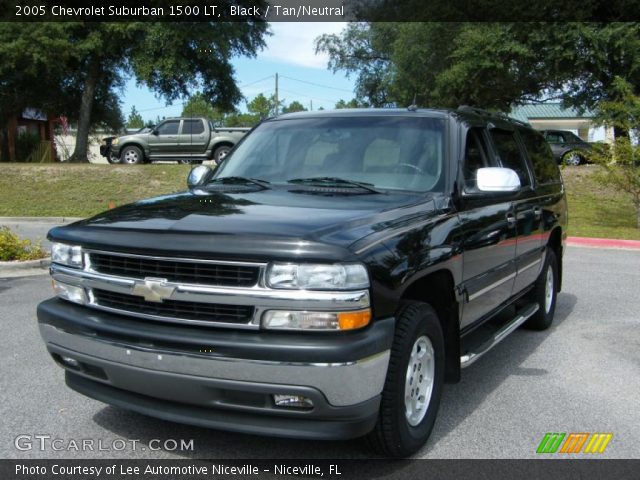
<point x="555" y="244"/>
<point x="437" y="289"/>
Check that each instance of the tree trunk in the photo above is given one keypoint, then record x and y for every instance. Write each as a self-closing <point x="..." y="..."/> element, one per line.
<point x="80" y="152"/>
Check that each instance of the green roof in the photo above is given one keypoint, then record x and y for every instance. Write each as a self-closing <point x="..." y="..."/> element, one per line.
<point x="549" y="110"/>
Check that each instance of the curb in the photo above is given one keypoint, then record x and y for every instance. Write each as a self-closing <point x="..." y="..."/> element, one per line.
<point x="39" y="219"/>
<point x="26" y="265"/>
<point x="603" y="243"/>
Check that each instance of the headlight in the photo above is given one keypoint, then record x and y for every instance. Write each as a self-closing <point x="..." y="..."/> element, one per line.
<point x="114" y="141"/>
<point x="318" y="276"/>
<point x="68" y="255"/>
<point x="302" y="320"/>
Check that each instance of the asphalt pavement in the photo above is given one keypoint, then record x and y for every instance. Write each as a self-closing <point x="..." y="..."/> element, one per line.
<point x="582" y="375"/>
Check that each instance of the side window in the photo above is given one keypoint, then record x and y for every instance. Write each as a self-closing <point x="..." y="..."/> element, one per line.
<point x="192" y="127"/>
<point x="509" y="154"/>
<point x="544" y="166"/>
<point x="475" y="157"/>
<point x="169" y="128"/>
<point x="553" y="137"/>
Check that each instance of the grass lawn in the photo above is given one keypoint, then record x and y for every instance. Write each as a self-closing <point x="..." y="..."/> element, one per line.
<point x="72" y="190"/>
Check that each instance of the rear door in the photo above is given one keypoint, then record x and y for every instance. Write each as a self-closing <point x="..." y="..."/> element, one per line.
<point x="193" y="137"/>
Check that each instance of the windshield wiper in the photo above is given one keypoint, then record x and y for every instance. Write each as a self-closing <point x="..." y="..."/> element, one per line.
<point x="242" y="180"/>
<point x="336" y="180"/>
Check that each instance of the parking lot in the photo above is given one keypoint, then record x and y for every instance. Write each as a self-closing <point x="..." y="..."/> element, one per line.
<point x="582" y="375"/>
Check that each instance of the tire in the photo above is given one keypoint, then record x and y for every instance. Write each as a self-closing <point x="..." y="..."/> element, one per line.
<point x="402" y="429"/>
<point x="220" y="153"/>
<point x="112" y="158"/>
<point x="131" y="155"/>
<point x="545" y="293"/>
<point x="572" y="159"/>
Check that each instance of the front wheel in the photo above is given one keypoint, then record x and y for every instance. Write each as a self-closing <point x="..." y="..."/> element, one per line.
<point x="132" y="155"/>
<point x="413" y="387"/>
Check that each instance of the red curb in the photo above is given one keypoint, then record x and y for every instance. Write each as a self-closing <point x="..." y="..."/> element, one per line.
<point x="603" y="243"/>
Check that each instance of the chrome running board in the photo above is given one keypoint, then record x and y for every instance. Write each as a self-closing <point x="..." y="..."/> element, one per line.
<point x="500" y="335"/>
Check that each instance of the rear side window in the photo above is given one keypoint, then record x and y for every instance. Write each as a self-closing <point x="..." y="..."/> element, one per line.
<point x="192" y="127"/>
<point x="544" y="166"/>
<point x="509" y="153"/>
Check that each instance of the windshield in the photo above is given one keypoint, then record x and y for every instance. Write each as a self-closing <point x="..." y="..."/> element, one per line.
<point x="386" y="152"/>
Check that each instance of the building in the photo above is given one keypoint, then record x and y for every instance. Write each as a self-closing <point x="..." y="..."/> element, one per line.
<point x="30" y="129"/>
<point x="551" y="116"/>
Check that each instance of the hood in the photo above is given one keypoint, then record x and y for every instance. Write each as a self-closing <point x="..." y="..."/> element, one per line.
<point x="269" y="223"/>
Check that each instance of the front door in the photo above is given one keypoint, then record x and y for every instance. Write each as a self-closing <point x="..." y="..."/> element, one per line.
<point x="164" y="142"/>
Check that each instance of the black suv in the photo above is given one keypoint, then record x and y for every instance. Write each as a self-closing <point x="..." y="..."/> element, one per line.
<point x="322" y="283"/>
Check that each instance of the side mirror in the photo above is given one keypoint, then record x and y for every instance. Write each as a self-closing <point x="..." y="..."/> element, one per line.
<point x="198" y="176"/>
<point x="154" y="132"/>
<point x="496" y="179"/>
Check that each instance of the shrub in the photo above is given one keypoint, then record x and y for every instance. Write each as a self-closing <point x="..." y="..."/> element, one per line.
<point x="12" y="247"/>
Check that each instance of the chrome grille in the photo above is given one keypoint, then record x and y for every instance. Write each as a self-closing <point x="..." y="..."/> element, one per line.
<point x="174" y="309"/>
<point x="175" y="270"/>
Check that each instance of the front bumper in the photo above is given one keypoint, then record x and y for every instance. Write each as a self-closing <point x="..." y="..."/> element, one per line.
<point x="158" y="370"/>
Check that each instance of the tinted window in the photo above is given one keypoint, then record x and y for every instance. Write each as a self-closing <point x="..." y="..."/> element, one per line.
<point x="555" y="137"/>
<point x="475" y="157"/>
<point x="399" y="153"/>
<point x="169" y="128"/>
<point x="544" y="166"/>
<point x="509" y="154"/>
<point x="192" y="127"/>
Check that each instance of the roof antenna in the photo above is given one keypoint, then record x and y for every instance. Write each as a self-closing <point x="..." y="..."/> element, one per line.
<point x="413" y="107"/>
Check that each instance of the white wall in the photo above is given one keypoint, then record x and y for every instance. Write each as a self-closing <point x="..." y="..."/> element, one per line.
<point x="65" y="144"/>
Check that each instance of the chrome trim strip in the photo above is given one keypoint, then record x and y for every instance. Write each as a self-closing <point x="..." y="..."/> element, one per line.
<point x="472" y="357"/>
<point x="490" y="287"/>
<point x="531" y="265"/>
<point x="179" y="259"/>
<point x="343" y="384"/>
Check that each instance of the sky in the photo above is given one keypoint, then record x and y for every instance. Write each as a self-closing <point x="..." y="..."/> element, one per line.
<point x="303" y="75"/>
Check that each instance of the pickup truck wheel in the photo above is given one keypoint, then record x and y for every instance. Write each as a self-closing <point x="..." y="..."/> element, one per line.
<point x="131" y="155"/>
<point x="544" y="293"/>
<point x="220" y="153"/>
<point x="413" y="387"/>
<point x="112" y="158"/>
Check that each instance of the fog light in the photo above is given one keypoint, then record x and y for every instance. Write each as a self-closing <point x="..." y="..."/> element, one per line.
<point x="304" y="320"/>
<point x="72" y="362"/>
<point x="69" y="292"/>
<point x="294" y="401"/>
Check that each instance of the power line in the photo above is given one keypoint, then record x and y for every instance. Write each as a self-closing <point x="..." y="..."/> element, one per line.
<point x="257" y="81"/>
<point x="317" y="84"/>
<point x="307" y="96"/>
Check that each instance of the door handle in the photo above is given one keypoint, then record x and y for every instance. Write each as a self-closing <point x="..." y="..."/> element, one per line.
<point x="511" y="220"/>
<point x="537" y="212"/>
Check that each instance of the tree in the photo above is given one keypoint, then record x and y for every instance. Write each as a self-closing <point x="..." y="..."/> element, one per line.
<point x="620" y="161"/>
<point x="294" y="106"/>
<point x="489" y="65"/>
<point x="262" y="106"/>
<point x="135" y="119"/>
<point x="199" y="106"/>
<point x="170" y="58"/>
<point x="353" y="103"/>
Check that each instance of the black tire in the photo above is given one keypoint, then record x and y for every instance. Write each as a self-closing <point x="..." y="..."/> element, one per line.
<point x="131" y="155"/>
<point x="112" y="158"/>
<point x="393" y="435"/>
<point x="219" y="153"/>
<point x="543" y="318"/>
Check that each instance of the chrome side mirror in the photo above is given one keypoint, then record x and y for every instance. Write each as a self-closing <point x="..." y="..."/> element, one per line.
<point x="198" y="176"/>
<point x="497" y="179"/>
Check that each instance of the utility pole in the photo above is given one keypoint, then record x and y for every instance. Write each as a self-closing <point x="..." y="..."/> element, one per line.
<point x="277" y="101"/>
<point x="311" y="105"/>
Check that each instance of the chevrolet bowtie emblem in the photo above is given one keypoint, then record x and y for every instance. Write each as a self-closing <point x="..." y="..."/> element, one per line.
<point x="153" y="289"/>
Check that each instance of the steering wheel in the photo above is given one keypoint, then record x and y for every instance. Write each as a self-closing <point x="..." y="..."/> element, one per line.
<point x="417" y="169"/>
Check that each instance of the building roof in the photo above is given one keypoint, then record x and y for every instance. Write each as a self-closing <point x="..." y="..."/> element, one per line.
<point x="551" y="110"/>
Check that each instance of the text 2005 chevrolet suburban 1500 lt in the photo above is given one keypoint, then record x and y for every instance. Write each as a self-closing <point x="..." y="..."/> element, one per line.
<point x="323" y="283"/>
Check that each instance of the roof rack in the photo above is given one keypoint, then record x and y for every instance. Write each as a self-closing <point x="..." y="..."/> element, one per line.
<point x="487" y="113"/>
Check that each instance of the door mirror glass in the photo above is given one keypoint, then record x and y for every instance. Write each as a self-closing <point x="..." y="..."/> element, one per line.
<point x="497" y="179"/>
<point x="198" y="176"/>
